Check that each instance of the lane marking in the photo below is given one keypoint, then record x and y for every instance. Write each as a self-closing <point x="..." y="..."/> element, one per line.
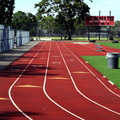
<point x="56" y="62"/>
<point x="37" y="65"/>
<point x="10" y="89"/>
<point x="91" y="47"/>
<point x="81" y="72"/>
<point x="4" y="98"/>
<point x="29" y="86"/>
<point x="42" y="58"/>
<point x="111" y="82"/>
<point x="23" y="60"/>
<point x="44" y="89"/>
<point x="76" y="85"/>
<point x="55" y="56"/>
<point x="92" y="72"/>
<point x="104" y="76"/>
<point x="72" y="60"/>
<point x="58" y="78"/>
<point x="88" y="46"/>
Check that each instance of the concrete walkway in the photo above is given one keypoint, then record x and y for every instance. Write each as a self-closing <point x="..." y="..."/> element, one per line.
<point x="8" y="57"/>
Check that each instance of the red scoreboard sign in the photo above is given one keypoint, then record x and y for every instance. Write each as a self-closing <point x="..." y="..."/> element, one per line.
<point x="99" y="20"/>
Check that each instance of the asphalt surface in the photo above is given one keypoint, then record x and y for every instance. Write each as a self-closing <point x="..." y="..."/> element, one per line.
<point x="6" y="58"/>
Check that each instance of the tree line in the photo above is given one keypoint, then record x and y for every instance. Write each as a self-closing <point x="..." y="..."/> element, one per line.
<point x="60" y="14"/>
<point x="63" y="17"/>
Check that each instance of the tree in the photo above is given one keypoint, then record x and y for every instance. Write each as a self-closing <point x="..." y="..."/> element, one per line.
<point x="23" y="21"/>
<point x="116" y="29"/>
<point x="6" y="11"/>
<point x="19" y="20"/>
<point x="48" y="23"/>
<point x="31" y="24"/>
<point x="80" y="29"/>
<point x="67" y="12"/>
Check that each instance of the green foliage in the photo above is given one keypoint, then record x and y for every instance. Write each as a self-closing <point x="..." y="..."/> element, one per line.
<point x="19" y="20"/>
<point x="23" y="21"/>
<point x="6" y="11"/>
<point x="66" y="12"/>
<point x="47" y="22"/>
<point x="116" y="29"/>
<point x="117" y="23"/>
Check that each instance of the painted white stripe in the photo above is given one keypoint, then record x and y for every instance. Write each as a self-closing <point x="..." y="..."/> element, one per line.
<point x="111" y="82"/>
<point x="78" y="89"/>
<point x="10" y="89"/>
<point x="92" y="73"/>
<point x="44" y="89"/>
<point x="104" y="76"/>
<point x="88" y="46"/>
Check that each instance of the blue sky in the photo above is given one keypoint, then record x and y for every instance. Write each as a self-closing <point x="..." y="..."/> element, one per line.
<point x="26" y="6"/>
<point x="105" y="6"/>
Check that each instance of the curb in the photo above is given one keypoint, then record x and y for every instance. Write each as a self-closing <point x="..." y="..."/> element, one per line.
<point x="6" y="58"/>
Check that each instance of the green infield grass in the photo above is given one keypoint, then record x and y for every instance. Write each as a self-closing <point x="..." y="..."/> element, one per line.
<point x="110" y="44"/>
<point x="100" y="63"/>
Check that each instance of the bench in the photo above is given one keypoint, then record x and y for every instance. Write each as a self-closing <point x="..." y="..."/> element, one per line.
<point x="99" y="48"/>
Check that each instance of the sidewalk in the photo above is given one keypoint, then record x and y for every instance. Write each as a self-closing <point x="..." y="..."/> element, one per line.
<point x="8" y="57"/>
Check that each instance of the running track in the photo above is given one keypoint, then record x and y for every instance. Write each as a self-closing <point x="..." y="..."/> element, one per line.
<point x="52" y="82"/>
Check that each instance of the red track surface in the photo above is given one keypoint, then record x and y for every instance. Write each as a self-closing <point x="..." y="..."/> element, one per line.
<point x="52" y="82"/>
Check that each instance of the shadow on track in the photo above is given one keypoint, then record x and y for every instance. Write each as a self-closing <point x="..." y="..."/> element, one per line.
<point x="31" y="71"/>
<point x="10" y="115"/>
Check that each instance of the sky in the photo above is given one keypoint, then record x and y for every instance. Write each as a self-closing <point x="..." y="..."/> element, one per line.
<point x="104" y="6"/>
<point x="26" y="6"/>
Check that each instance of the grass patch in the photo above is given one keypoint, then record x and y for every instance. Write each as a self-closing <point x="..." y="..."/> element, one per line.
<point x="100" y="63"/>
<point x="110" y="44"/>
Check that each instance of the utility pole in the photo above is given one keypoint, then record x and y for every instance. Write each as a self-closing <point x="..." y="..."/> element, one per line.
<point x="99" y="26"/>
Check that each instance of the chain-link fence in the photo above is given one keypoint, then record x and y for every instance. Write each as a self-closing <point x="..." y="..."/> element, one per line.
<point x="84" y="33"/>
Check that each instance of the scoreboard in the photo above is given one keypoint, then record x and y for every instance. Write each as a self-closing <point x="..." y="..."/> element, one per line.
<point x="99" y="21"/>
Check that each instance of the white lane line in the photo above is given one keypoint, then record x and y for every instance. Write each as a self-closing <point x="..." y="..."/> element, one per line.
<point x="10" y="89"/>
<point x="91" y="47"/>
<point x="79" y="90"/>
<point x="111" y="82"/>
<point x="92" y="72"/>
<point x="44" y="89"/>
<point x="88" y="46"/>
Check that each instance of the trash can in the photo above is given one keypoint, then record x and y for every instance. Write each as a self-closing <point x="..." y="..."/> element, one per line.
<point x="112" y="60"/>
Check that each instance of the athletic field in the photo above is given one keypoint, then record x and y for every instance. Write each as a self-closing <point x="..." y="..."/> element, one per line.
<point x="52" y="81"/>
